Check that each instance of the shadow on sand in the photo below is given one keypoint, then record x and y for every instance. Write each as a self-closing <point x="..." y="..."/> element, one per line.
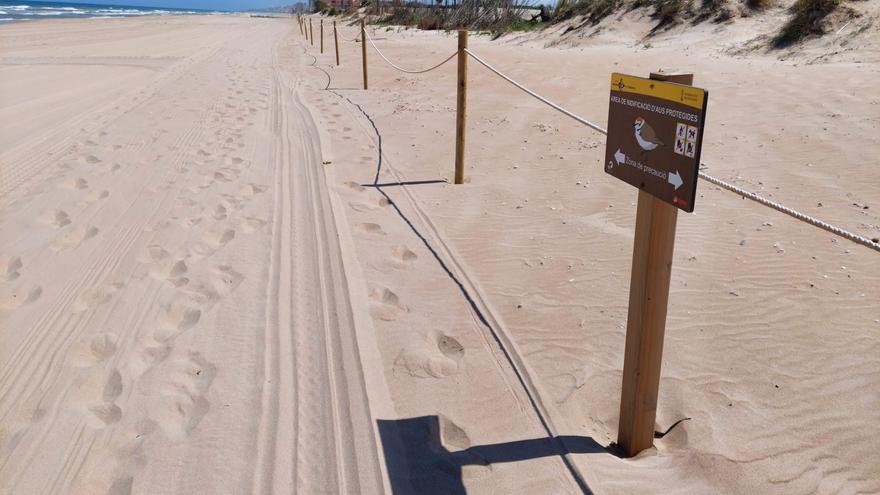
<point x="418" y="463"/>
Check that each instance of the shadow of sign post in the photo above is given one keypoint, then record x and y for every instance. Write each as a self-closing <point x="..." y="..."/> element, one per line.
<point x="418" y="463"/>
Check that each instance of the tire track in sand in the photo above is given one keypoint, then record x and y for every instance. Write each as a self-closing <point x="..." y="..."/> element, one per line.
<point x="310" y="407"/>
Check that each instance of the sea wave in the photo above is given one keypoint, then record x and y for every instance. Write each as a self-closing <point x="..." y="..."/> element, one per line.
<point x="23" y="12"/>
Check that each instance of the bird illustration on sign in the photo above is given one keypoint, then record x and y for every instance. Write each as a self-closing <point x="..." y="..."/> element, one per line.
<point x="645" y="135"/>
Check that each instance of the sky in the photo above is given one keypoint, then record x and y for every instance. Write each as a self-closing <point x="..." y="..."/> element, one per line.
<point x="232" y="5"/>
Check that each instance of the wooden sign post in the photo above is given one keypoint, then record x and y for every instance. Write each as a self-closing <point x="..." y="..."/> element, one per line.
<point x="364" y="49"/>
<point x="461" y="107"/>
<point x="322" y="35"/>
<point x="646" y="320"/>
<point x="336" y="42"/>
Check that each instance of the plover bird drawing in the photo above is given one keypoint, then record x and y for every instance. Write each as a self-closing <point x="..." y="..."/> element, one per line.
<point x="645" y="135"/>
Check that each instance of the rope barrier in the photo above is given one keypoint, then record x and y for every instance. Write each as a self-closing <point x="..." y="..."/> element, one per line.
<point x="536" y="95"/>
<point x="356" y="36"/>
<point x="401" y="69"/>
<point x="864" y="241"/>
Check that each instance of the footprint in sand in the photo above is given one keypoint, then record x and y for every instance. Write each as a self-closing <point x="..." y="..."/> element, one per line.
<point x="153" y="253"/>
<point x="252" y="225"/>
<point x="385" y="304"/>
<point x="56" y="218"/>
<point x="222" y="177"/>
<point x="376" y="201"/>
<point x="212" y="242"/>
<point x="92" y="159"/>
<point x="110" y="469"/>
<point x="96" y="296"/>
<point x="370" y="228"/>
<point x="79" y="183"/>
<point x="189" y="221"/>
<point x="355" y="186"/>
<point x="452" y="436"/>
<point x="107" y="412"/>
<point x="94" y="393"/>
<point x="175" y="273"/>
<point x="152" y="355"/>
<point x="180" y="388"/>
<point x="13" y="267"/>
<point x="21" y="297"/>
<point x="220" y="212"/>
<point x="88" y="352"/>
<point x="436" y="356"/>
<point x="176" y="318"/>
<point x="74" y="238"/>
<point x="402" y="256"/>
<point x="251" y="190"/>
<point x="96" y="195"/>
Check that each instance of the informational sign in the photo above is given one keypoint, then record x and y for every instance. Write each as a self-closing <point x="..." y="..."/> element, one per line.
<point x="655" y="133"/>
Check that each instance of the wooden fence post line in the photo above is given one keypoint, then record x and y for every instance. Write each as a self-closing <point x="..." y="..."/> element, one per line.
<point x="364" y="49"/>
<point x="336" y="42"/>
<point x="461" y="108"/>
<point x="311" y="33"/>
<point x="646" y="319"/>
<point x="322" y="35"/>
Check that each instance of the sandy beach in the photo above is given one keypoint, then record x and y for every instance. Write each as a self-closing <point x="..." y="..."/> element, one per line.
<point x="204" y="291"/>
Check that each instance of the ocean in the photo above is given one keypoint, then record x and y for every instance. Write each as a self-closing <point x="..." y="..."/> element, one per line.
<point x="13" y="10"/>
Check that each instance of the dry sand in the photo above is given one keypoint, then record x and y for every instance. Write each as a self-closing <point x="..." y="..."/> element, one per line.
<point x="201" y="296"/>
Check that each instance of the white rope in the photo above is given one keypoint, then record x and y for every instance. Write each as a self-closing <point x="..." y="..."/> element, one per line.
<point x="401" y="69"/>
<point x="356" y="36"/>
<point x="793" y="213"/>
<point x="718" y="182"/>
<point x="536" y="95"/>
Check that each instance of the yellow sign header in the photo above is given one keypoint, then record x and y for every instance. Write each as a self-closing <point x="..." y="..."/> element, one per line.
<point x="679" y="93"/>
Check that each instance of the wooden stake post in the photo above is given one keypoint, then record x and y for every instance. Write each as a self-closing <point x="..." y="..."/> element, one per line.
<point x="311" y="33"/>
<point x="646" y="320"/>
<point x="336" y="42"/>
<point x="364" y="49"/>
<point x="461" y="109"/>
<point x="322" y="35"/>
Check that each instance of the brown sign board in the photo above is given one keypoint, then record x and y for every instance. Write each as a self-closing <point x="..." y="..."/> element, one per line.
<point x="655" y="134"/>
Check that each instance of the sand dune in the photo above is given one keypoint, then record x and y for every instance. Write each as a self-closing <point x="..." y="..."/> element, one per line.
<point x="203" y="291"/>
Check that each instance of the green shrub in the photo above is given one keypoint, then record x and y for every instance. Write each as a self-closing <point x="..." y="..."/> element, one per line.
<point x="594" y="10"/>
<point x="759" y="4"/>
<point x="806" y="20"/>
<point x="669" y="10"/>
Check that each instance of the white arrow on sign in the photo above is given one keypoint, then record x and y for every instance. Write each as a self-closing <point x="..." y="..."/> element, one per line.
<point x="675" y="179"/>
<point x="619" y="156"/>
